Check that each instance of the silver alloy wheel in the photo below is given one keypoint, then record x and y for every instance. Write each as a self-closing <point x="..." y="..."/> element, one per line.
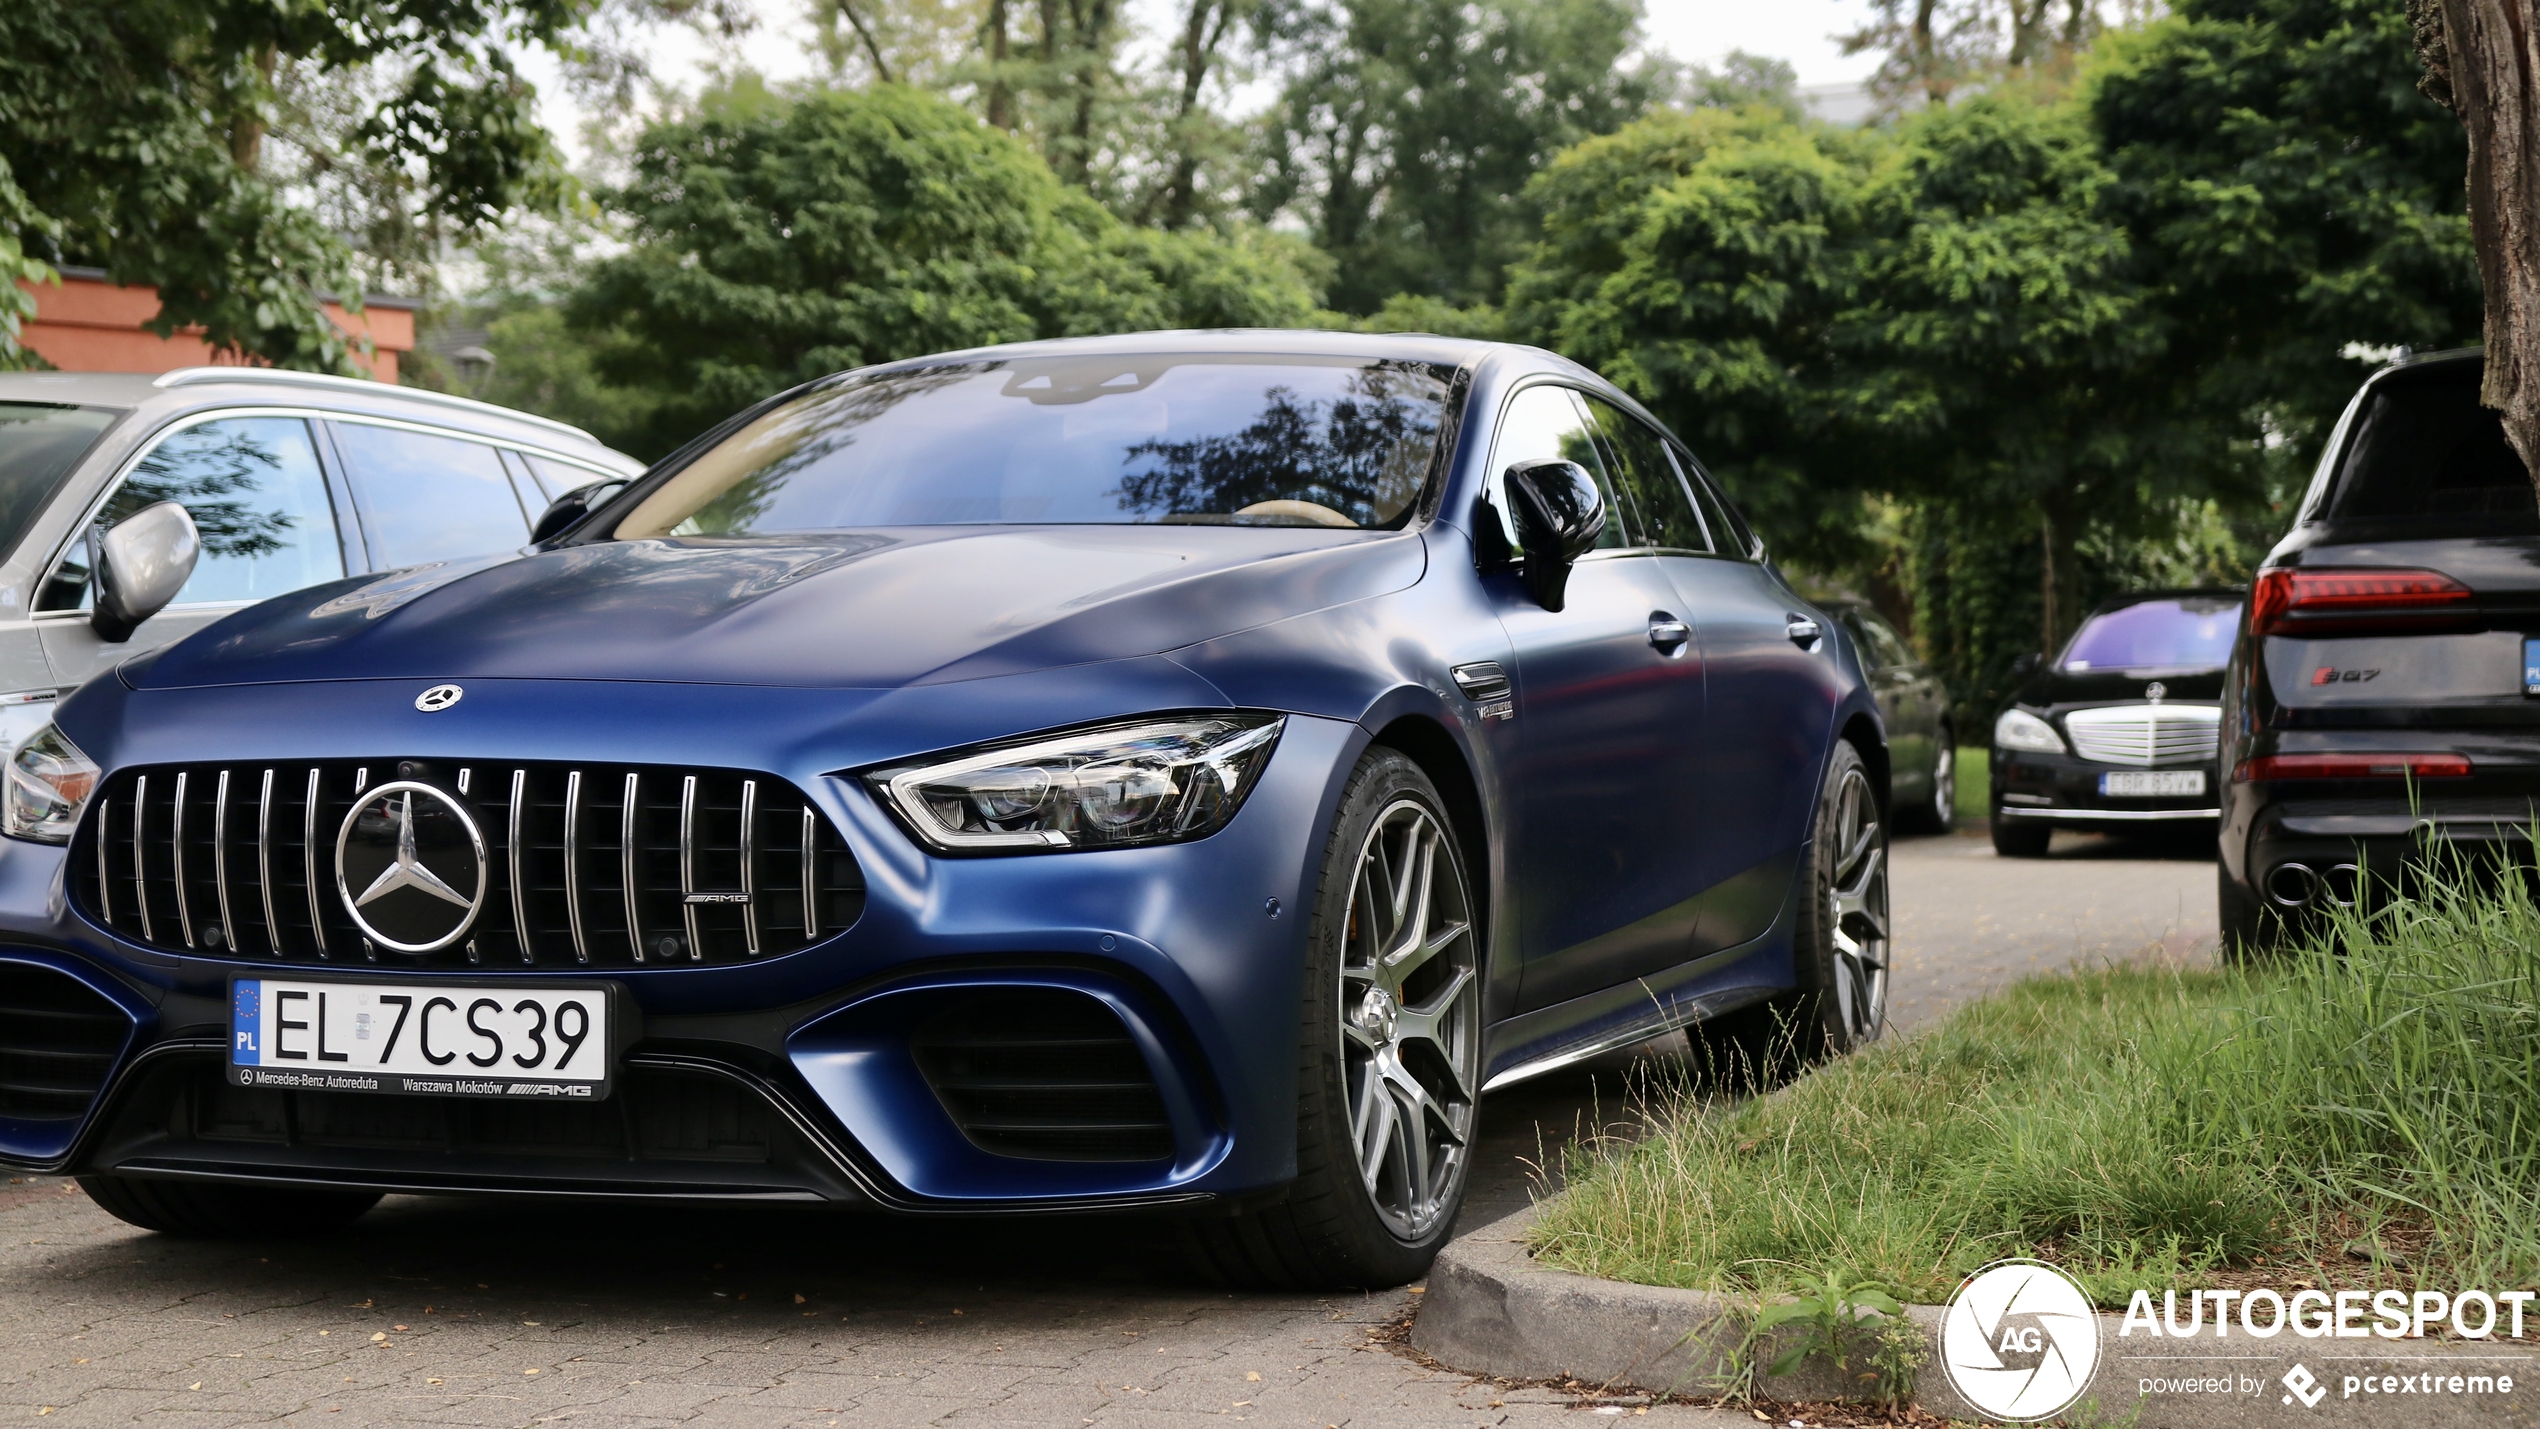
<point x="1944" y="784"/>
<point x="1410" y="1023"/>
<point x="1856" y="907"/>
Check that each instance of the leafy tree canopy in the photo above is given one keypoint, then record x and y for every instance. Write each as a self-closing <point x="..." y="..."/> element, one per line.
<point x="786" y="239"/>
<point x="132" y="139"/>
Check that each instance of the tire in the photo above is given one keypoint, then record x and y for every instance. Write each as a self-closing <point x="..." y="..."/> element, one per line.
<point x="1938" y="814"/>
<point x="212" y="1210"/>
<point x="2013" y="839"/>
<point x="1840" y="950"/>
<point x="1389" y="1057"/>
<point x="2251" y="932"/>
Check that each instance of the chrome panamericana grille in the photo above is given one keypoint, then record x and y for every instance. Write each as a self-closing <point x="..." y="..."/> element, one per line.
<point x="586" y="865"/>
<point x="2145" y="734"/>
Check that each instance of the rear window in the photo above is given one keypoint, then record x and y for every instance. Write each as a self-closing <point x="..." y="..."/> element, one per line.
<point x="2423" y="447"/>
<point x="2182" y="632"/>
<point x="39" y="445"/>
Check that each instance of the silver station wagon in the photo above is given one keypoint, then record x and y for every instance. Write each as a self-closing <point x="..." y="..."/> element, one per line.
<point x="287" y="479"/>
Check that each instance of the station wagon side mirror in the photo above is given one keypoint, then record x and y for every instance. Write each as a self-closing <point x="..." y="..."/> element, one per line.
<point x="1559" y="514"/>
<point x="571" y="507"/>
<point x="139" y="566"/>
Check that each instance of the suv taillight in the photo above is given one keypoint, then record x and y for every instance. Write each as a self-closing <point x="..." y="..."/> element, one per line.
<point x="2355" y="600"/>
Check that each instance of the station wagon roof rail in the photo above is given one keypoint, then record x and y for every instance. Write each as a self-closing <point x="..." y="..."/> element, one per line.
<point x="190" y="376"/>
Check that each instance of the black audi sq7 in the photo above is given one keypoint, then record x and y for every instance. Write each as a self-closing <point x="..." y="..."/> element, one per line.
<point x="2383" y="701"/>
<point x="2117" y="733"/>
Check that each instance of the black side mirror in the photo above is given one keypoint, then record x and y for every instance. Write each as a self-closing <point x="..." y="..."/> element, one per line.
<point x="2027" y="665"/>
<point x="1559" y="513"/>
<point x="139" y="566"/>
<point x="581" y="501"/>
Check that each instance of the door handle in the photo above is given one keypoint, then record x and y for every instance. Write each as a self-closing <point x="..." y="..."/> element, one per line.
<point x="1667" y="633"/>
<point x="1803" y="631"/>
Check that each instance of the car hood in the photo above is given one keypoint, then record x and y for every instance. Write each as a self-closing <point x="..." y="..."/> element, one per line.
<point x="2056" y="688"/>
<point x="854" y="610"/>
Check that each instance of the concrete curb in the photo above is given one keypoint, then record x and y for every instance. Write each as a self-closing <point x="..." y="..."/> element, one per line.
<point x="1491" y="1310"/>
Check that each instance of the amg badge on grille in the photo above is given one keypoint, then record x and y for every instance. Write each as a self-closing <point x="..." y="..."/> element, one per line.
<point x="419" y="863"/>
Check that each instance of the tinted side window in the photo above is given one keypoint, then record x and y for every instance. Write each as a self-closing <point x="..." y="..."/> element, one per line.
<point x="253" y="487"/>
<point x="39" y="444"/>
<point x="430" y="498"/>
<point x="2424" y="447"/>
<point x="1729" y="534"/>
<point x="1545" y="423"/>
<point x="555" y="478"/>
<point x="1666" y="511"/>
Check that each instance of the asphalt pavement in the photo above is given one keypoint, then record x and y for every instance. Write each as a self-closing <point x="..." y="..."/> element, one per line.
<point x="442" y="1312"/>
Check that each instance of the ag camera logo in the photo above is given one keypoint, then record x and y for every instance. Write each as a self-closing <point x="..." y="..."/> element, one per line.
<point x="2020" y="1340"/>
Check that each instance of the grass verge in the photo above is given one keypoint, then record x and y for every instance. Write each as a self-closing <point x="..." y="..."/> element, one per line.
<point x="2369" y="1106"/>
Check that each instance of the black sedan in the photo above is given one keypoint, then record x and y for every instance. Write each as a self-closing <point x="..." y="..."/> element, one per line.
<point x="1914" y="705"/>
<point x="2119" y="731"/>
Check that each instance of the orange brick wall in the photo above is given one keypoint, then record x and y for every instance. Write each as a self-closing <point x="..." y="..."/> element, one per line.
<point x="85" y="324"/>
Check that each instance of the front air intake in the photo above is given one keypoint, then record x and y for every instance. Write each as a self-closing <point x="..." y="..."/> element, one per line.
<point x="1044" y="1074"/>
<point x="58" y="1040"/>
<point x="585" y="865"/>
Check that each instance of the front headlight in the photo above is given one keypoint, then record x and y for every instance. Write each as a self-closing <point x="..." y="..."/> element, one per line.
<point x="2018" y="729"/>
<point x="1151" y="782"/>
<point x="49" y="783"/>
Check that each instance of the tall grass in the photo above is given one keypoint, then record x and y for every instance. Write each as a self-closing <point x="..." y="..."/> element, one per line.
<point x="2376" y="1092"/>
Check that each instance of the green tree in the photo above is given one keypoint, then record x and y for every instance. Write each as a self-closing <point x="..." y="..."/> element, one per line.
<point x="135" y="134"/>
<point x="1410" y="129"/>
<point x="789" y="240"/>
<point x="2292" y="196"/>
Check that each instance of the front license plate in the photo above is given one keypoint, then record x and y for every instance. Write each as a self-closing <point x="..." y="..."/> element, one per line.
<point x="2152" y="783"/>
<point x="424" y="1039"/>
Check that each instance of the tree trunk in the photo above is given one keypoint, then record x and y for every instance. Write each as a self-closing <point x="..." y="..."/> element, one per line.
<point x="864" y="32"/>
<point x="2492" y="62"/>
<point x="1927" y="54"/>
<point x="1000" y="95"/>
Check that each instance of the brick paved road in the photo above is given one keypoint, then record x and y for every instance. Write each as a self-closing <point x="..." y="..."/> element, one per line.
<point x="455" y="1313"/>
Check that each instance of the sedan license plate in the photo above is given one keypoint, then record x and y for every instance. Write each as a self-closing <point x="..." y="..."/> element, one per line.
<point x="2152" y="783"/>
<point x="429" y="1039"/>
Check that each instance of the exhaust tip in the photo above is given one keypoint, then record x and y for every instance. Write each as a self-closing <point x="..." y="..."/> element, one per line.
<point x="2342" y="884"/>
<point x="2292" y="885"/>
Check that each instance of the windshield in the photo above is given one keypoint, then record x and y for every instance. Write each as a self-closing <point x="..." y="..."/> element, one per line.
<point x="39" y="444"/>
<point x="2186" y="632"/>
<point x="1072" y="439"/>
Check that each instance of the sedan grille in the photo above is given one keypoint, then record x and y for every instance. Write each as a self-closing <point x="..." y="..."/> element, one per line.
<point x="2145" y="734"/>
<point x="58" y="1039"/>
<point x="586" y="866"/>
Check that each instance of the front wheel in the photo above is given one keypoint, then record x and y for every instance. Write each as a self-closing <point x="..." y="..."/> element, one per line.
<point x="1939" y="813"/>
<point x="1389" y="1054"/>
<point x="2015" y="839"/>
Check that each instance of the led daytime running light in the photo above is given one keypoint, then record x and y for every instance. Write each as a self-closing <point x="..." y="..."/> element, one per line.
<point x="1163" y="780"/>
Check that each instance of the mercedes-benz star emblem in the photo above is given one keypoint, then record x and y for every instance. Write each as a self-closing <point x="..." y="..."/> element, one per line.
<point x="2155" y="692"/>
<point x="419" y="863"/>
<point x="438" y="698"/>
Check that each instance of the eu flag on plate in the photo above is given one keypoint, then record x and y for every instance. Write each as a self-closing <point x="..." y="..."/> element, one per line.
<point x="2530" y="666"/>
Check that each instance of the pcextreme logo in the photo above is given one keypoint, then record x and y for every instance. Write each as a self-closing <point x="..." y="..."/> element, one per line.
<point x="2020" y="1340"/>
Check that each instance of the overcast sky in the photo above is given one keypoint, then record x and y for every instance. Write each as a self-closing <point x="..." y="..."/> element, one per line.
<point x="1799" y="31"/>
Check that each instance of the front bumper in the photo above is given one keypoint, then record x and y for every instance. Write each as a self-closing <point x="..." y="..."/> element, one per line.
<point x="795" y="1077"/>
<point x="2063" y="789"/>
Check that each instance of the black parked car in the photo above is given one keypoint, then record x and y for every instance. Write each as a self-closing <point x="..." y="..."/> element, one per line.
<point x="2389" y="679"/>
<point x="1914" y="705"/>
<point x="2119" y="731"/>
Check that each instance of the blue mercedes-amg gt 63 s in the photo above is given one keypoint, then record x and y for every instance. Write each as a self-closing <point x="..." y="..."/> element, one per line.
<point x="1184" y="770"/>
